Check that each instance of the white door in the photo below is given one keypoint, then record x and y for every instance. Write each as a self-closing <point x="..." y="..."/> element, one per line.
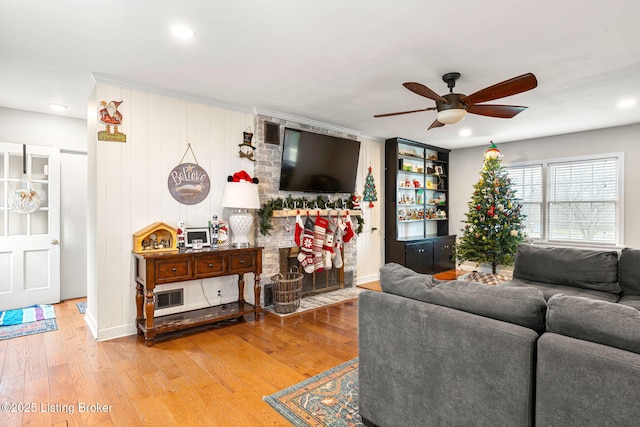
<point x="29" y="243"/>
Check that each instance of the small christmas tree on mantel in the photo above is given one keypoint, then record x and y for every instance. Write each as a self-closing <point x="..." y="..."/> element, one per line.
<point x="493" y="228"/>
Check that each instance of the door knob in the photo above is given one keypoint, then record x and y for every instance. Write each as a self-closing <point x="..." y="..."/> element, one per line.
<point x="55" y="242"/>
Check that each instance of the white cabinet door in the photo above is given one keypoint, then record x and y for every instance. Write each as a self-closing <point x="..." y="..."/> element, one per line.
<point x="29" y="243"/>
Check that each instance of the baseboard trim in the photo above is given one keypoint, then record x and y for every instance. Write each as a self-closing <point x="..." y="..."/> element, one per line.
<point x="116" y="332"/>
<point x="91" y="323"/>
<point x="367" y="279"/>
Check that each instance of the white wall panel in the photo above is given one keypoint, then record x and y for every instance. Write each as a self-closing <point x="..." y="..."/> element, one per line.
<point x="115" y="208"/>
<point x="131" y="191"/>
<point x="154" y="179"/>
<point x="371" y="242"/>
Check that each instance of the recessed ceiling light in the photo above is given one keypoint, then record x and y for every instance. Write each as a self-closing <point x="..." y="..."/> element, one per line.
<point x="181" y="32"/>
<point x="465" y="132"/>
<point x="627" y="103"/>
<point x="57" y="107"/>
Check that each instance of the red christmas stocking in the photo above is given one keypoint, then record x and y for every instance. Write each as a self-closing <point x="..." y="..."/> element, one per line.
<point x="319" y="231"/>
<point x="299" y="229"/>
<point x="348" y="232"/>
<point x="306" y="247"/>
<point x="327" y="246"/>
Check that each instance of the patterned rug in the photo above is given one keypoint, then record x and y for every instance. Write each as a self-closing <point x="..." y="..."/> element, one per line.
<point x="30" y="328"/>
<point x="27" y="314"/>
<point x="328" y="399"/>
<point x="322" y="300"/>
<point x="486" y="278"/>
<point x="82" y="307"/>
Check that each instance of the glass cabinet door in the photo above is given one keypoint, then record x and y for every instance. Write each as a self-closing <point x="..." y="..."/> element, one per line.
<point x="421" y="192"/>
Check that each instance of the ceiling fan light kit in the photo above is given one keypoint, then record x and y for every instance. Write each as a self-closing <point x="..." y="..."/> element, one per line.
<point x="449" y="117"/>
<point x="453" y="107"/>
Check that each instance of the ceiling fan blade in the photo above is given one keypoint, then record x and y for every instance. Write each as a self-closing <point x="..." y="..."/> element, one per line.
<point x="501" y="111"/>
<point x="503" y="89"/>
<point x="422" y="90"/>
<point x="435" y="124"/>
<point x="404" y="112"/>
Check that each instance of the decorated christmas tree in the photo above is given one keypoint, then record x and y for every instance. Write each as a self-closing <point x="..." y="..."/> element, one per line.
<point x="370" y="192"/>
<point x="493" y="228"/>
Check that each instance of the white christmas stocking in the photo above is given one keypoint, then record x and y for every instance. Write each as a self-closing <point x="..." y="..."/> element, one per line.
<point x="337" y="245"/>
<point x="327" y="246"/>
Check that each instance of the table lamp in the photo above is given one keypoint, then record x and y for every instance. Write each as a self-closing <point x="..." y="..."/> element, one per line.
<point x="240" y="195"/>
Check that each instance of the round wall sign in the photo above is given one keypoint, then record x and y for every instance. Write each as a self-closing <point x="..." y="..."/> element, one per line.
<point x="189" y="183"/>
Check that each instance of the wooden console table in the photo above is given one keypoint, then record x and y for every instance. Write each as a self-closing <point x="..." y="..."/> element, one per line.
<point x="159" y="268"/>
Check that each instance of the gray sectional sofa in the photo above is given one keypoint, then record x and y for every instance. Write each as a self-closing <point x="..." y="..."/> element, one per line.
<point x="559" y="345"/>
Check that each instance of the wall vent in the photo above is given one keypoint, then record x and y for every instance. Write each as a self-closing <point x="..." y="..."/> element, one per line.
<point x="172" y="298"/>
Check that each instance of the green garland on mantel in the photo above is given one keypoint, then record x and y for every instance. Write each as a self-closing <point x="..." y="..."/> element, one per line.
<point x="266" y="212"/>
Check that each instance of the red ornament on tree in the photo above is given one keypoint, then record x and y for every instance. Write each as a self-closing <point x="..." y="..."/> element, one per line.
<point x="491" y="210"/>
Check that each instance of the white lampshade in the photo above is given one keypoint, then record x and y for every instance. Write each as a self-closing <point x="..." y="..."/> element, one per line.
<point x="451" y="116"/>
<point x="240" y="196"/>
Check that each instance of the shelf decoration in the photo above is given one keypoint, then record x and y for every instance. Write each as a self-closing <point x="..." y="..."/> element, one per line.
<point x="110" y="116"/>
<point x="156" y="237"/>
<point x="292" y="207"/>
<point x="246" y="149"/>
<point x="355" y="200"/>
<point x="370" y="192"/>
<point x="188" y="183"/>
<point x="24" y="199"/>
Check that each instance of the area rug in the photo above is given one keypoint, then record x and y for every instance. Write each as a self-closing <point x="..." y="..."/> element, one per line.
<point x="319" y="301"/>
<point x="30" y="328"/>
<point x="82" y="307"/>
<point x="486" y="278"/>
<point x="27" y="315"/>
<point x="327" y="399"/>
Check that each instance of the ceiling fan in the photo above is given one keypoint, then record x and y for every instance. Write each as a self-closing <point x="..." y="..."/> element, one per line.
<point x="453" y="107"/>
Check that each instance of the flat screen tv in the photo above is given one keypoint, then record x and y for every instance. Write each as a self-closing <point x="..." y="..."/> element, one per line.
<point x="317" y="163"/>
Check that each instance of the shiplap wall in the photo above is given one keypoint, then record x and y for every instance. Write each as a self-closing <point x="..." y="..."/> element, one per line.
<point x="129" y="185"/>
<point x="128" y="190"/>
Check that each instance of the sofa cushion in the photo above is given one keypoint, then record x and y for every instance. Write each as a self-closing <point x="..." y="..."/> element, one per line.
<point x="521" y="306"/>
<point x="400" y="280"/>
<point x="549" y="290"/>
<point x="580" y="268"/>
<point x="630" y="300"/>
<point x="606" y="323"/>
<point x="629" y="271"/>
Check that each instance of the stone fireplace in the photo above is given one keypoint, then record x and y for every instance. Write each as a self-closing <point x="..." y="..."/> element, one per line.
<point x="279" y="245"/>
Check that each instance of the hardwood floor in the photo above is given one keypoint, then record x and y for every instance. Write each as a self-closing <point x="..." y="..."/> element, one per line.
<point x="216" y="377"/>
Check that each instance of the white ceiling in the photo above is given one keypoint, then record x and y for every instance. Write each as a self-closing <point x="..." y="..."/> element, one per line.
<point x="336" y="61"/>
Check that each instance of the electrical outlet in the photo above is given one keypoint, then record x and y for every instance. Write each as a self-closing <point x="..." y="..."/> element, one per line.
<point x="219" y="292"/>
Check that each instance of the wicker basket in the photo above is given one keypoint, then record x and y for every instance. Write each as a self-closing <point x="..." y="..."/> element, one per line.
<point x="287" y="291"/>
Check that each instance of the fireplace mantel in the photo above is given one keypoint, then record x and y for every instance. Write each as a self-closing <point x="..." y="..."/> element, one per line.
<point x="284" y="213"/>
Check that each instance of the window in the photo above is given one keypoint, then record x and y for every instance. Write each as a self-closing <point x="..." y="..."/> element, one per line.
<point x="574" y="201"/>
<point x="527" y="181"/>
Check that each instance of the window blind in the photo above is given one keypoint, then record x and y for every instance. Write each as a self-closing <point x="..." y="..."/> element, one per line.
<point x="582" y="201"/>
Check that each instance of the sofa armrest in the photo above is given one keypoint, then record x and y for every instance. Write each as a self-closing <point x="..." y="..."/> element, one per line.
<point x="580" y="383"/>
<point x="424" y="364"/>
